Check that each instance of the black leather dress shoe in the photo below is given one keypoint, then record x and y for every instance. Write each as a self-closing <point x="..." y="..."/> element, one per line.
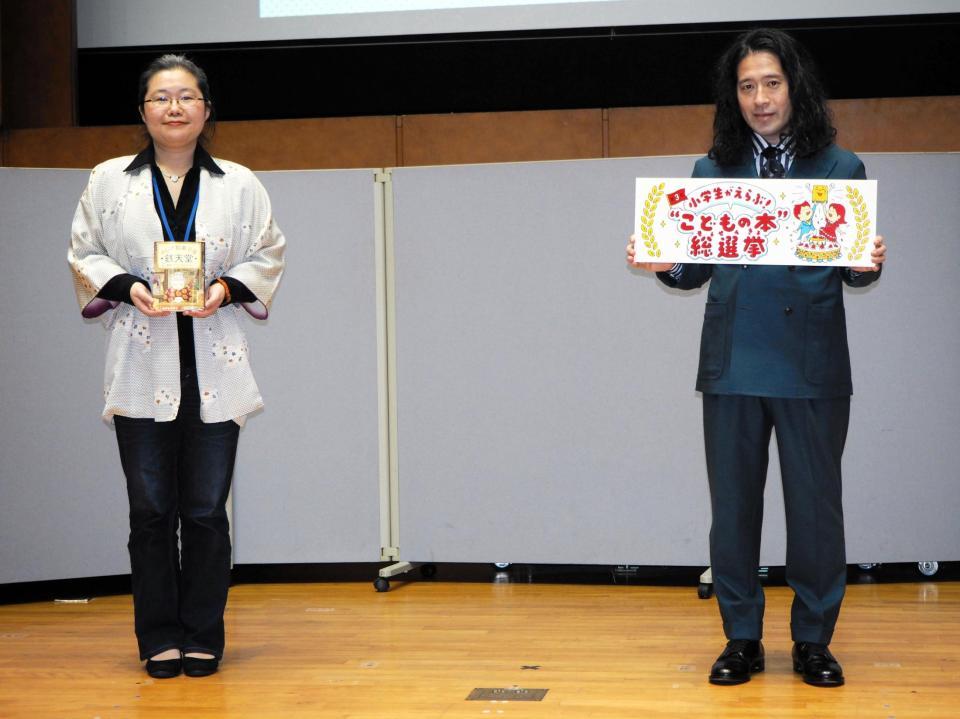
<point x="818" y="666"/>
<point x="739" y="660"/>
<point x="164" y="668"/>
<point x="198" y="667"/>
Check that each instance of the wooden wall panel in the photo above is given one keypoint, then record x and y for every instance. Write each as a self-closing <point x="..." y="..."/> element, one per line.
<point x="38" y="51"/>
<point x="70" y="146"/>
<point x="916" y="124"/>
<point x="502" y="137"/>
<point x="905" y="124"/>
<point x="653" y="131"/>
<point x="324" y="143"/>
<point x="260" y="145"/>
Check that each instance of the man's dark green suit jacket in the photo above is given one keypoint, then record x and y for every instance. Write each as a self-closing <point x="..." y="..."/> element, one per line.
<point x="775" y="331"/>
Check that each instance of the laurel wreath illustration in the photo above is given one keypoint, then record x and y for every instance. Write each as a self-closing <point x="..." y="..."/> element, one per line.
<point x="646" y="221"/>
<point x="862" y="216"/>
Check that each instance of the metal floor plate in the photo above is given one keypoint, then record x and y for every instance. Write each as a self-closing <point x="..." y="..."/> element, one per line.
<point x="507" y="694"/>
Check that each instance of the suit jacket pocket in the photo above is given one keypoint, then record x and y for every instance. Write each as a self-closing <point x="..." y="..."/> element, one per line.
<point x="713" y="341"/>
<point x="825" y="343"/>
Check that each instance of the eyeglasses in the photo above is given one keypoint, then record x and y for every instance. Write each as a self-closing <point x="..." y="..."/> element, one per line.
<point x="163" y="101"/>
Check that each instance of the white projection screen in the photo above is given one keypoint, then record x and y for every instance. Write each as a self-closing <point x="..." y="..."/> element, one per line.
<point x="120" y="23"/>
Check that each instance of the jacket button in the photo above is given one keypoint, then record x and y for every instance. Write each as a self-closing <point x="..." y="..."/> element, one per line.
<point x="788" y="310"/>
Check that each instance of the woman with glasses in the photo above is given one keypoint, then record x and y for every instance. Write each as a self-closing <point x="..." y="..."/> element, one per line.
<point x="177" y="384"/>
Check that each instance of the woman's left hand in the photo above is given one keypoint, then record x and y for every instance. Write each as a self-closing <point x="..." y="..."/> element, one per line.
<point x="215" y="297"/>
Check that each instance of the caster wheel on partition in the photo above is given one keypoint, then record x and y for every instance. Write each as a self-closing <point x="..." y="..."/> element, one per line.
<point x="381" y="584"/>
<point x="501" y="565"/>
<point x="866" y="567"/>
<point x="704" y="590"/>
<point x="928" y="569"/>
<point x="428" y="571"/>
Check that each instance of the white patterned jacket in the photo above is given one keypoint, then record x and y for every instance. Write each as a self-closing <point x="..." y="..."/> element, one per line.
<point x="113" y="232"/>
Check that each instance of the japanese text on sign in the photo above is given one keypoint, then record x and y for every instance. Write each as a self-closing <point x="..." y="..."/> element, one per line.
<point x="755" y="221"/>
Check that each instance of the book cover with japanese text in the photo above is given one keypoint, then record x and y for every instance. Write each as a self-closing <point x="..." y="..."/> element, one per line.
<point x="177" y="279"/>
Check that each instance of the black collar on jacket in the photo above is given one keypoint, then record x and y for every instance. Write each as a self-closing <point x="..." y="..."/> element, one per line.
<point x="201" y="158"/>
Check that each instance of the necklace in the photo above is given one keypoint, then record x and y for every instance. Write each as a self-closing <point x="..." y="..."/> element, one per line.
<point x="173" y="178"/>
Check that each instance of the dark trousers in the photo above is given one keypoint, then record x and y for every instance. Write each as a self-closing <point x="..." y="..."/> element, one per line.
<point x="178" y="475"/>
<point x="810" y="436"/>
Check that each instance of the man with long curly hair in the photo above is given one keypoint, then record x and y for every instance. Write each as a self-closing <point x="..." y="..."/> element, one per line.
<point x="774" y="356"/>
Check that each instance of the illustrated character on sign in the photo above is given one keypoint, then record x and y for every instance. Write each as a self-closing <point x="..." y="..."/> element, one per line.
<point x="836" y="216"/>
<point x="804" y="213"/>
<point x="819" y="245"/>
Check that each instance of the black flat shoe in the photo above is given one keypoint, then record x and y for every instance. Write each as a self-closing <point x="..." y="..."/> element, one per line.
<point x="197" y="667"/>
<point x="817" y="665"/>
<point x="739" y="660"/>
<point x="164" y="668"/>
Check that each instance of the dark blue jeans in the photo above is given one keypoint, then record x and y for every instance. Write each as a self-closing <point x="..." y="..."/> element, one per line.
<point x="178" y="474"/>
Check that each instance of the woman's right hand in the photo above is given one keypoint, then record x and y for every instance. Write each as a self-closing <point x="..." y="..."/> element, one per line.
<point x="143" y="300"/>
<point x="648" y="266"/>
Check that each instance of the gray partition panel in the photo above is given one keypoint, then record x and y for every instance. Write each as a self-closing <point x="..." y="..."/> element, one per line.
<point x="63" y="504"/>
<point x="542" y="386"/>
<point x="546" y="410"/>
<point x="306" y="482"/>
<point x="902" y="462"/>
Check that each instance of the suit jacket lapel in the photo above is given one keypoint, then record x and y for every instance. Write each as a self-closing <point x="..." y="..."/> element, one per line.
<point x="820" y="165"/>
<point x="746" y="170"/>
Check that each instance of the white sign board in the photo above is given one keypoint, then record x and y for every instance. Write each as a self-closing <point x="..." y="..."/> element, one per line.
<point x="754" y="221"/>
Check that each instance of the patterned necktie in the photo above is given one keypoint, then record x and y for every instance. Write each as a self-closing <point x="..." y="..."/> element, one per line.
<point x="771" y="166"/>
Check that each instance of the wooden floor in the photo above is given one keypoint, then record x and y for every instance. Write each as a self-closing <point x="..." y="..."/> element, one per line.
<point x="342" y="650"/>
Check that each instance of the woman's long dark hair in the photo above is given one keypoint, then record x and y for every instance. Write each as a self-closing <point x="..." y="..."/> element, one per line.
<point x="810" y="123"/>
<point x="179" y="62"/>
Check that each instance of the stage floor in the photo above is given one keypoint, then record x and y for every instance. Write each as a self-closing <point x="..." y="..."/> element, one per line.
<point x="419" y="650"/>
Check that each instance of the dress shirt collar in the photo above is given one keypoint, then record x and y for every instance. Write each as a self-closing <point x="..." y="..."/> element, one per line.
<point x="201" y="158"/>
<point x="786" y="146"/>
